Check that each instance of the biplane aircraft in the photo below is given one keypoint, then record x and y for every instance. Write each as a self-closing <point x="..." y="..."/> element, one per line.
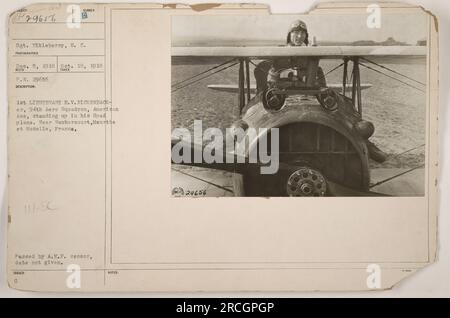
<point x="324" y="146"/>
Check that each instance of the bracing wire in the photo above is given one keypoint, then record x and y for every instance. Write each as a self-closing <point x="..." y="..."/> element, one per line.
<point x="406" y="151"/>
<point x="404" y="172"/>
<point x="201" y="73"/>
<point x="202" y="78"/>
<point x="393" y="71"/>
<point x="394" y="78"/>
<point x="397" y="175"/>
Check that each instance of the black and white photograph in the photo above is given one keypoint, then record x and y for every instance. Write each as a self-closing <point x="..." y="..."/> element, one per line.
<point x="299" y="105"/>
<point x="341" y="105"/>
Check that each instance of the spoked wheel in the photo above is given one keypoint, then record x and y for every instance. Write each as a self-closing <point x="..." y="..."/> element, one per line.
<point x="306" y="182"/>
<point x="291" y="180"/>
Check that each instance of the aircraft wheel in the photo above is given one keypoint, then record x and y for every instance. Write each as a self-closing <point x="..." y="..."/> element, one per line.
<point x="272" y="101"/>
<point x="292" y="179"/>
<point x="306" y="182"/>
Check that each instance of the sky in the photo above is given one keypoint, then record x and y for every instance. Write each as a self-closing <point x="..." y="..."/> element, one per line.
<point x="408" y="27"/>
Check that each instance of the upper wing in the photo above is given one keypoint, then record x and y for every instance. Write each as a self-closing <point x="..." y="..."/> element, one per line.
<point x="216" y="54"/>
<point x="331" y="52"/>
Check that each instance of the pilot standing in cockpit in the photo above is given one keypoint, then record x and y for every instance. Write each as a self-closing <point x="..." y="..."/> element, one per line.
<point x="269" y="71"/>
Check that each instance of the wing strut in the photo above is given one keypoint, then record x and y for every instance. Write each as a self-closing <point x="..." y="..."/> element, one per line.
<point x="247" y="74"/>
<point x="241" y="85"/>
<point x="344" y="76"/>
<point x="356" y="89"/>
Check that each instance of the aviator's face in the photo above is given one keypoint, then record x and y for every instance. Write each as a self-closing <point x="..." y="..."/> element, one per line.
<point x="298" y="37"/>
